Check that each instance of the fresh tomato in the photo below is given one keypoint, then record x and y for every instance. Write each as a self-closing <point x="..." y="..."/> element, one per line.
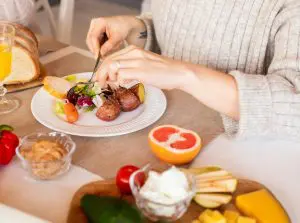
<point x="8" y="144"/>
<point x="71" y="112"/>
<point x="9" y="137"/>
<point x="7" y="152"/>
<point x="123" y="175"/>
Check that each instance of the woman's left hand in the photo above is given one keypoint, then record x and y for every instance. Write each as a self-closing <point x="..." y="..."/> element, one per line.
<point x="133" y="63"/>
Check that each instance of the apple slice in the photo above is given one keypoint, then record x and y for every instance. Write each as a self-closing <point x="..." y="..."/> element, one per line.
<point x="208" y="175"/>
<point x="201" y="170"/>
<point x="224" y="186"/>
<point x="212" y="200"/>
<point x="216" y="178"/>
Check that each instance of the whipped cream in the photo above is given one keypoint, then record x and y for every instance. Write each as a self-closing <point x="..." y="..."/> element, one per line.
<point x="167" y="189"/>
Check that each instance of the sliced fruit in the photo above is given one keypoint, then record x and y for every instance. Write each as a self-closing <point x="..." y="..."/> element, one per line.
<point x="231" y="216"/>
<point x="201" y="170"/>
<point x="139" y="91"/>
<point x="245" y="220"/>
<point x="222" y="186"/>
<point x="212" y="175"/>
<point x="209" y="216"/>
<point x="212" y="200"/>
<point x="57" y="87"/>
<point x="173" y="144"/>
<point x="196" y="221"/>
<point x="262" y="206"/>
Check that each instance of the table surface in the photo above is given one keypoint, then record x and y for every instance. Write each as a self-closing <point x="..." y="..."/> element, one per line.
<point x="103" y="156"/>
<point x="275" y="164"/>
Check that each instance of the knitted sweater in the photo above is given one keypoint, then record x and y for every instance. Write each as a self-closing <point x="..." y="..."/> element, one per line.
<point x="256" y="41"/>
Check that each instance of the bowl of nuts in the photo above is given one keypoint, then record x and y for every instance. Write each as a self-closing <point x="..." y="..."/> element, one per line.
<point x="46" y="155"/>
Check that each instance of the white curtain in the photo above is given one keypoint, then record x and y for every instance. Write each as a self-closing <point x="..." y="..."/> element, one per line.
<point x="18" y="11"/>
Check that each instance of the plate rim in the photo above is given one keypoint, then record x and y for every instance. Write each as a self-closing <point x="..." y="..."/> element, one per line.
<point x="163" y="108"/>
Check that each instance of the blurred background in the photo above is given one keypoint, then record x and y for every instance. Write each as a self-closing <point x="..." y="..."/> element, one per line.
<point x="84" y="11"/>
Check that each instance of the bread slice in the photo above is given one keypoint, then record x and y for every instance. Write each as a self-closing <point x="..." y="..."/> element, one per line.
<point x="24" y="32"/>
<point x="25" y="66"/>
<point x="28" y="45"/>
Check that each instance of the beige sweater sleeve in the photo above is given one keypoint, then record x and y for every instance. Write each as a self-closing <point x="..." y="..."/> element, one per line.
<point x="270" y="104"/>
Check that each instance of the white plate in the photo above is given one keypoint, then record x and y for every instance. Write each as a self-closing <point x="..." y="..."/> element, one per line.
<point x="42" y="105"/>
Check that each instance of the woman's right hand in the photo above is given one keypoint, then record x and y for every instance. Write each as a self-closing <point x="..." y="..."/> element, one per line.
<point x="116" y="28"/>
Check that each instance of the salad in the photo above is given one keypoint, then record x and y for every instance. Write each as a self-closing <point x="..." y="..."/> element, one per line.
<point x="75" y="96"/>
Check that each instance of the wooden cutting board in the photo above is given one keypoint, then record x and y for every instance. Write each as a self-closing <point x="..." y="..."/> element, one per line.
<point x="32" y="84"/>
<point x="109" y="188"/>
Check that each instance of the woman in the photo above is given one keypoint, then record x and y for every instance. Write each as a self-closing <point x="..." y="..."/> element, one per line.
<point x="239" y="57"/>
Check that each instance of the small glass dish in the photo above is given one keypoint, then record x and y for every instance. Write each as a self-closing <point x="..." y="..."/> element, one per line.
<point x="156" y="211"/>
<point x="46" y="170"/>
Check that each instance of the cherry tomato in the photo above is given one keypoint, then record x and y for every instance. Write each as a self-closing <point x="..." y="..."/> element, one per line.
<point x="9" y="137"/>
<point x="123" y="175"/>
<point x="7" y="152"/>
<point x="71" y="112"/>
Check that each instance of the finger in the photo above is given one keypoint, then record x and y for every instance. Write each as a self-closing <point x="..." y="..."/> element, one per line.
<point x="129" y="74"/>
<point x="102" y="75"/>
<point x="124" y="51"/>
<point x="109" y="45"/>
<point x="96" y="32"/>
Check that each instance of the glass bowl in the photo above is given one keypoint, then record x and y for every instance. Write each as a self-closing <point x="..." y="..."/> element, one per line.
<point x="46" y="170"/>
<point x="156" y="211"/>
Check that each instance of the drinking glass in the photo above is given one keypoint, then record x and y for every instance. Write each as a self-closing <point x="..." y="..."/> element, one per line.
<point x="7" y="34"/>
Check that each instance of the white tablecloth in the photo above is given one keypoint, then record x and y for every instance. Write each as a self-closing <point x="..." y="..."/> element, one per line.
<point x="47" y="200"/>
<point x="276" y="164"/>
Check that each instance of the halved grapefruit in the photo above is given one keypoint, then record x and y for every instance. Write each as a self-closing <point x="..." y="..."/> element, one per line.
<point x="173" y="144"/>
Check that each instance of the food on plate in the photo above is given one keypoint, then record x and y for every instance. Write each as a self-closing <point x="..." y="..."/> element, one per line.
<point x="216" y="182"/>
<point x="139" y="91"/>
<point x="71" y="112"/>
<point x="173" y="144"/>
<point x="210" y="216"/>
<point x="57" y="87"/>
<point x="212" y="200"/>
<point x="87" y="97"/>
<point x="106" y="209"/>
<point x="123" y="175"/>
<point x="109" y="110"/>
<point x="25" y="57"/>
<point x="214" y="216"/>
<point x="231" y="216"/>
<point x="165" y="195"/>
<point x="45" y="158"/>
<point x="245" y="220"/>
<point x="201" y="170"/>
<point x="262" y="206"/>
<point x="214" y="186"/>
<point x="8" y="144"/>
<point x="127" y="99"/>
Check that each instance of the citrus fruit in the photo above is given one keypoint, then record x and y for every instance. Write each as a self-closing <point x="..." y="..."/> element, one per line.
<point x="57" y="87"/>
<point x="173" y="144"/>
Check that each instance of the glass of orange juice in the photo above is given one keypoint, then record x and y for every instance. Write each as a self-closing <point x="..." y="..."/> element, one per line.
<point x="7" y="35"/>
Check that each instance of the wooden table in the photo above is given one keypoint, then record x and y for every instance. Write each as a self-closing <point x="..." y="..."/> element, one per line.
<point x="103" y="156"/>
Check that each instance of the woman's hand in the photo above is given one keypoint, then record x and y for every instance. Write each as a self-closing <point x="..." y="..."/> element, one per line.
<point x="116" y="28"/>
<point x="133" y="63"/>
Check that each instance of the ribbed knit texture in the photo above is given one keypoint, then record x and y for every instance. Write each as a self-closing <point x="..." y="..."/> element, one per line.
<point x="256" y="41"/>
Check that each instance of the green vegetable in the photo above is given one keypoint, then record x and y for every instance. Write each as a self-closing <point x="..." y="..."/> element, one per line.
<point x="71" y="78"/>
<point x="6" y="127"/>
<point x="59" y="108"/>
<point x="106" y="209"/>
<point x="97" y="88"/>
<point x="89" y="108"/>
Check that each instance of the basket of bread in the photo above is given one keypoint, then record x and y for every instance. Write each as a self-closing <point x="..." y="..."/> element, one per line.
<point x="25" y="57"/>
